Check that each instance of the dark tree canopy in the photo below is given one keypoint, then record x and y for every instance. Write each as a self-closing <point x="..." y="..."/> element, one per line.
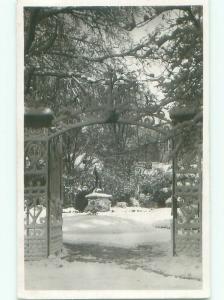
<point x="125" y="68"/>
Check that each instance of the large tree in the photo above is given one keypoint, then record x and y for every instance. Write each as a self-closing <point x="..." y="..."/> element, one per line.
<point x="124" y="67"/>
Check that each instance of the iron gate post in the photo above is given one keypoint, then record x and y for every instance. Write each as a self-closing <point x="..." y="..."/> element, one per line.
<point x="187" y="222"/>
<point x="39" y="237"/>
<point x="174" y="201"/>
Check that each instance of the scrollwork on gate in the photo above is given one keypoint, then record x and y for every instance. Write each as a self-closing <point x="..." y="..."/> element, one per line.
<point x="187" y="182"/>
<point x="35" y="194"/>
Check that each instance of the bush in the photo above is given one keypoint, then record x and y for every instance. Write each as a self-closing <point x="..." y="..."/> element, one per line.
<point x="98" y="205"/>
<point x="158" y="188"/>
<point x="122" y="197"/>
<point x="81" y="201"/>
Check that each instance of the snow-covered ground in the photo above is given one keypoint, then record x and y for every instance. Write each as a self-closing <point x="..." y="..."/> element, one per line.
<point x="121" y="249"/>
<point x="120" y="227"/>
<point x="97" y="276"/>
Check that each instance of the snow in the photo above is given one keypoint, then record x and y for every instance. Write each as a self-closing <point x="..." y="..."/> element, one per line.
<point x="79" y="159"/>
<point x="119" y="249"/>
<point x="92" y="276"/>
<point x="180" y="266"/>
<point x="163" y="224"/>
<point x="98" y="195"/>
<point x="169" y="200"/>
<point x="37" y="214"/>
<point x="70" y="210"/>
<point x="162" y="166"/>
<point x="146" y="216"/>
<point x="127" y="227"/>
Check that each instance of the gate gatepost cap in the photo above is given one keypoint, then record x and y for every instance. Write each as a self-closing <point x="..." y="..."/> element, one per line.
<point x="181" y="114"/>
<point x="38" y="117"/>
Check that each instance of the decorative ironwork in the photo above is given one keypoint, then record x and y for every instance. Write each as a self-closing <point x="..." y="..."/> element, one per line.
<point x="188" y="221"/>
<point x="187" y="206"/>
<point x="35" y="194"/>
<point x="35" y="156"/>
<point x="42" y="194"/>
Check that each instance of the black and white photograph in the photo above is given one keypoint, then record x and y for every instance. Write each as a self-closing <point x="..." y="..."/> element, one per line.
<point x="112" y="118"/>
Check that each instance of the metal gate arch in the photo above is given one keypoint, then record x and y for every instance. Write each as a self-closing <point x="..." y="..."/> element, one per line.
<point x="43" y="193"/>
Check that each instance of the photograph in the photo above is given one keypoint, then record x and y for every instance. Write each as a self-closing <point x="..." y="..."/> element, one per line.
<point x="112" y="159"/>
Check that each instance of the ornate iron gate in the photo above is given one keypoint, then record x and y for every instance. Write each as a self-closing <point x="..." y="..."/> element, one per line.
<point x="35" y="193"/>
<point x="187" y="198"/>
<point x="42" y="194"/>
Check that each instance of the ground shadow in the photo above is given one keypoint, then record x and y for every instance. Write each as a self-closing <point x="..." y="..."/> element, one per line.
<point x="130" y="258"/>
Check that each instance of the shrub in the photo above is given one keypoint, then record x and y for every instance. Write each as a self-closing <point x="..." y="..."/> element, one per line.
<point x="122" y="197"/>
<point x="81" y="201"/>
<point x="158" y="187"/>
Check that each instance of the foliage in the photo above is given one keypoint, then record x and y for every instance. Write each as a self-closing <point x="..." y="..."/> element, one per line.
<point x="114" y="183"/>
<point x="88" y="65"/>
<point x="98" y="205"/>
<point x="158" y="187"/>
<point x="80" y="200"/>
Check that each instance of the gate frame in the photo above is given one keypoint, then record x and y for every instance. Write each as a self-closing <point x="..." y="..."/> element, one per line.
<point x="45" y="119"/>
<point x="38" y="120"/>
<point x="178" y="116"/>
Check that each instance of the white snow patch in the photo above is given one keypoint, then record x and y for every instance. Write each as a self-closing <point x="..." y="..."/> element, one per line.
<point x="163" y="224"/>
<point x="70" y="210"/>
<point x="181" y="265"/>
<point x="62" y="275"/>
<point x="123" y="228"/>
<point x="96" y="195"/>
<point x="37" y="214"/>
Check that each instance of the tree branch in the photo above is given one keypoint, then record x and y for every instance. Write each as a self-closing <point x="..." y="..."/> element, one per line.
<point x="44" y="47"/>
<point x="33" y="20"/>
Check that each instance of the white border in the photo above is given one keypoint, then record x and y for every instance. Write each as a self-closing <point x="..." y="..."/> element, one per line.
<point x="109" y="294"/>
<point x="20" y="149"/>
<point x="206" y="158"/>
<point x="109" y="2"/>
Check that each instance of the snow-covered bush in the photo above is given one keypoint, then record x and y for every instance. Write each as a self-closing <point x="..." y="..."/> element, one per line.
<point x="97" y="205"/>
<point x="122" y="204"/>
<point x="134" y="202"/>
<point x="115" y="182"/>
<point x="70" y="210"/>
<point x="158" y="188"/>
<point x="168" y="202"/>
